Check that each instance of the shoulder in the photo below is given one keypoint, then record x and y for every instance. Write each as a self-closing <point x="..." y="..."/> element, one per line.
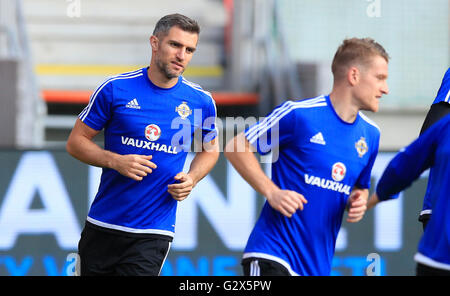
<point x="122" y="78"/>
<point x="370" y="124"/>
<point x="443" y="94"/>
<point x="298" y="105"/>
<point x="196" y="89"/>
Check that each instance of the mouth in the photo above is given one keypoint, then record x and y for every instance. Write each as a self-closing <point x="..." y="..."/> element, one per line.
<point x="178" y="65"/>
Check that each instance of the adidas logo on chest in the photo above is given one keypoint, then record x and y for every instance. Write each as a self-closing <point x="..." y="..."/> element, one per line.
<point x="318" y="139"/>
<point x="133" y="104"/>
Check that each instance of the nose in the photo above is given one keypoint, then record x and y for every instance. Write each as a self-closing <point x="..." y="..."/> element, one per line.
<point x="385" y="88"/>
<point x="181" y="54"/>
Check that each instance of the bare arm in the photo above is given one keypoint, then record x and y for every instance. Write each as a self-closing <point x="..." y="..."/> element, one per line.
<point x="80" y="145"/>
<point x="201" y="165"/>
<point x="240" y="153"/>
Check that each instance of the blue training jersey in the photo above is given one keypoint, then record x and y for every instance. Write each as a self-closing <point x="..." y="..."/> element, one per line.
<point x="139" y="117"/>
<point x="431" y="149"/>
<point x="322" y="157"/>
<point x="443" y="94"/>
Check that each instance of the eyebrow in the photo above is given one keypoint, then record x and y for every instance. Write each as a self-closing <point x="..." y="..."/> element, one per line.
<point x="180" y="44"/>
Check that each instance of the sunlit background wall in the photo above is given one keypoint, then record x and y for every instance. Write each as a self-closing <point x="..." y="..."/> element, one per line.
<point x="415" y="33"/>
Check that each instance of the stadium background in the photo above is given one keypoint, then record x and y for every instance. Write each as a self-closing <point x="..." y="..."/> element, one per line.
<point x="252" y="55"/>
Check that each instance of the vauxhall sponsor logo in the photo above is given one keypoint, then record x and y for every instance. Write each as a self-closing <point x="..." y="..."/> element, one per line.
<point x="327" y="184"/>
<point x="149" y="145"/>
<point x="338" y="172"/>
<point x="152" y="133"/>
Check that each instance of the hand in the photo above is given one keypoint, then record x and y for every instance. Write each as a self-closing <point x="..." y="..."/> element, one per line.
<point x="287" y="202"/>
<point x="183" y="188"/>
<point x="134" y="166"/>
<point x="357" y="205"/>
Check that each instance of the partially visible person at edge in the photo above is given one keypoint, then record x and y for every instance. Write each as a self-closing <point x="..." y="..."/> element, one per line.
<point x="131" y="222"/>
<point x="325" y="149"/>
<point x="430" y="150"/>
<point x="439" y="109"/>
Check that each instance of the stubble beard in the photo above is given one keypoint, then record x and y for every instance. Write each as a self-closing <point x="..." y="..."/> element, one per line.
<point x="164" y="68"/>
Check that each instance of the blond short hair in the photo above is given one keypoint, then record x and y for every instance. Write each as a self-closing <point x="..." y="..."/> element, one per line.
<point x="356" y="51"/>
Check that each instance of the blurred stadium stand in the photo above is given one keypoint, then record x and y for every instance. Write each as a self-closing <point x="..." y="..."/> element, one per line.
<point x="22" y="111"/>
<point x="76" y="48"/>
<point x="252" y="54"/>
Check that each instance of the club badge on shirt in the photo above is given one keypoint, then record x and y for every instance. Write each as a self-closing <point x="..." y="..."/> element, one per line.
<point x="183" y="110"/>
<point x="361" y="147"/>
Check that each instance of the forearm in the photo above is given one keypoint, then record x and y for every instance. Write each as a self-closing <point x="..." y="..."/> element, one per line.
<point x="203" y="163"/>
<point x="90" y="153"/>
<point x="239" y="154"/>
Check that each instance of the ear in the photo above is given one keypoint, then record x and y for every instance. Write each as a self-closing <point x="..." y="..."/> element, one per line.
<point x="154" y="42"/>
<point x="353" y="75"/>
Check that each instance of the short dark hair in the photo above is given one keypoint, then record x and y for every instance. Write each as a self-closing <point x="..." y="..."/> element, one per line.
<point x="183" y="22"/>
<point x="356" y="51"/>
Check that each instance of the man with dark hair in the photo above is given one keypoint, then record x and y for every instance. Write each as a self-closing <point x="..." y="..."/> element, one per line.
<point x="326" y="149"/>
<point x="131" y="222"/>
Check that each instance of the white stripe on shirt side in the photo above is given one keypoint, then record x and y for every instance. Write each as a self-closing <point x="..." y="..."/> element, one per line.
<point x="447" y="97"/>
<point x="199" y="88"/>
<point x="368" y="120"/>
<point x="252" y="137"/>
<point x="286" y="105"/>
<point x="426" y="212"/>
<point x="129" y="229"/>
<point x="94" y="95"/>
<point x="195" y="86"/>
<point x="430" y="262"/>
<point x="104" y="83"/>
<point x="86" y="110"/>
<point x="279" y="110"/>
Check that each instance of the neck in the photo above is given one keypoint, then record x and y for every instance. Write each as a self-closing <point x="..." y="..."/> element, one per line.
<point x="159" y="79"/>
<point x="343" y="104"/>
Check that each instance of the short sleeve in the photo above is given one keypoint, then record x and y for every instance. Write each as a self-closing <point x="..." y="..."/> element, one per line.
<point x="274" y="130"/>
<point x="209" y="129"/>
<point x="98" y="111"/>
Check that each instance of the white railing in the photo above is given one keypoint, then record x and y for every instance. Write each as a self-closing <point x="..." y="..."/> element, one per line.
<point x="259" y="59"/>
<point x="14" y="45"/>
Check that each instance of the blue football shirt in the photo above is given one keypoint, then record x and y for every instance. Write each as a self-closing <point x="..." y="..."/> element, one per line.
<point x="443" y="94"/>
<point x="322" y="157"/>
<point x="139" y="117"/>
<point x="431" y="149"/>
